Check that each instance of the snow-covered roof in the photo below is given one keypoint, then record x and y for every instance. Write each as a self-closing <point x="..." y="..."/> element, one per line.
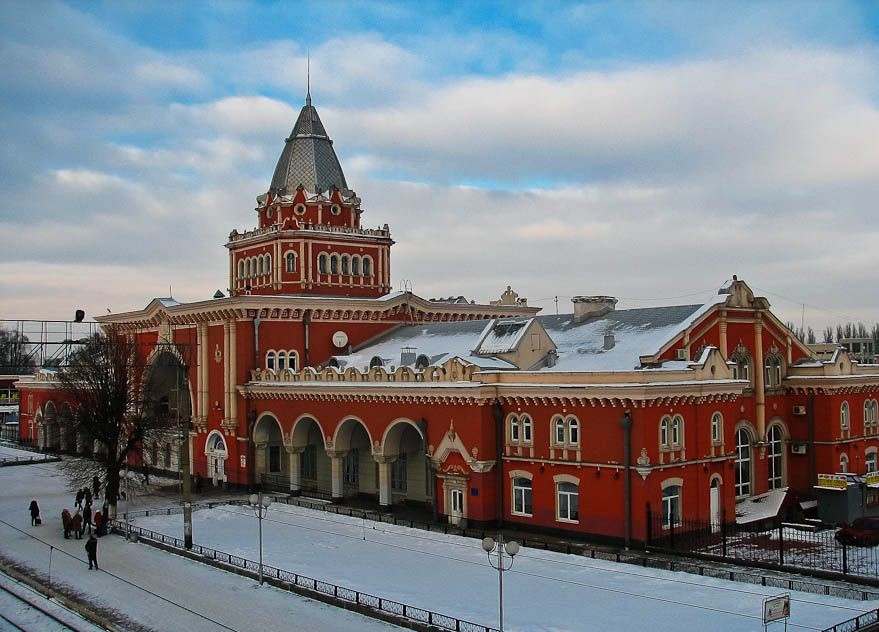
<point x="760" y="507"/>
<point x="581" y="347"/>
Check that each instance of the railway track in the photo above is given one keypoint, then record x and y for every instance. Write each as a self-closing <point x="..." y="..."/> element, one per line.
<point x="23" y="610"/>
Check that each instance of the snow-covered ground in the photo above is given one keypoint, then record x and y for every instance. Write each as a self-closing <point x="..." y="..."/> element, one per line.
<point x="543" y="591"/>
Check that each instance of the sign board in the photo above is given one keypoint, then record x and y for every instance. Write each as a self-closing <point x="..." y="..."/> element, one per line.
<point x="776" y="608"/>
<point x="872" y="479"/>
<point x="833" y="481"/>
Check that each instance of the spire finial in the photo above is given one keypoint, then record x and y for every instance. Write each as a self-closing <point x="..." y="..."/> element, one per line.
<point x="308" y="78"/>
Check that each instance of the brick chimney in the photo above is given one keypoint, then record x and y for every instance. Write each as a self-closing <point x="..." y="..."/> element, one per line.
<point x="589" y="307"/>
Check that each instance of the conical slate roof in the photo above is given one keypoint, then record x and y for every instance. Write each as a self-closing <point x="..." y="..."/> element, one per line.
<point x="308" y="157"/>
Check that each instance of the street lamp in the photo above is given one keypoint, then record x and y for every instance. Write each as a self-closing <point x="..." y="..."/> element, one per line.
<point x="500" y="547"/>
<point x="260" y="506"/>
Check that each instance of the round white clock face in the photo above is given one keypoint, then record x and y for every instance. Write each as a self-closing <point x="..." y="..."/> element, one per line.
<point x="340" y="339"/>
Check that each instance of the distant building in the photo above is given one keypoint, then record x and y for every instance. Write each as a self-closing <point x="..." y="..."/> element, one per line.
<point x="314" y="377"/>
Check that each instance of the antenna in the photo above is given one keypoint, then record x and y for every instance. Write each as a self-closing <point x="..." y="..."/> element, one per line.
<point x="308" y="77"/>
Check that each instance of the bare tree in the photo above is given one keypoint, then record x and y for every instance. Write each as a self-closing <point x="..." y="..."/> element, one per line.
<point x="111" y="408"/>
<point x="16" y="355"/>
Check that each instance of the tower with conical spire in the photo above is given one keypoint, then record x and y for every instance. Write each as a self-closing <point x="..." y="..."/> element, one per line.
<point x="308" y="238"/>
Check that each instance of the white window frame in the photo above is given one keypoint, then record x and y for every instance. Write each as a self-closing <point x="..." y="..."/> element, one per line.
<point x="522" y="496"/>
<point x="775" y="457"/>
<point x="672" y="502"/>
<point x="717" y="428"/>
<point x="567" y="501"/>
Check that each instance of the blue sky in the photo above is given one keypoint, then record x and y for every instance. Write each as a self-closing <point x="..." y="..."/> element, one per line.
<point x="647" y="150"/>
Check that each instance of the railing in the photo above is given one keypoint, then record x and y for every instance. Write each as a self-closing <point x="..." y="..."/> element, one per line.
<point x="308" y="586"/>
<point x="866" y="621"/>
<point x="28" y="460"/>
<point x="774" y="545"/>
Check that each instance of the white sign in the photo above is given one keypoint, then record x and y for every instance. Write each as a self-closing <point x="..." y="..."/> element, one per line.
<point x="776" y="608"/>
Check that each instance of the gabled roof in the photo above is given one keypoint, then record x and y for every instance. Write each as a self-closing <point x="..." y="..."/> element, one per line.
<point x="308" y="158"/>
<point x="579" y="346"/>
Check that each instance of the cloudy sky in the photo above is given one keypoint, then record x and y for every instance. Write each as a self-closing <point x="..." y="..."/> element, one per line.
<point x="646" y="150"/>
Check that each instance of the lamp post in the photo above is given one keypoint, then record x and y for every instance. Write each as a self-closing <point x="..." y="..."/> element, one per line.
<point x="500" y="547"/>
<point x="260" y="506"/>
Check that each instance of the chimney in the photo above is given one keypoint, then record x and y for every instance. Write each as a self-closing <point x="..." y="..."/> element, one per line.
<point x="589" y="307"/>
<point x="609" y="342"/>
<point x="407" y="356"/>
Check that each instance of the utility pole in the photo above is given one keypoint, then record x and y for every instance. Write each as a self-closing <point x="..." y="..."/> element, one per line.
<point x="184" y="425"/>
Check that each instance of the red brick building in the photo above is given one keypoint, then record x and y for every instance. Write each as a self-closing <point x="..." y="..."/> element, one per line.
<point x="314" y="377"/>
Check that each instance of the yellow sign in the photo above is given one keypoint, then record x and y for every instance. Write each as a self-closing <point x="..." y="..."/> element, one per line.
<point x="834" y="481"/>
<point x="872" y="478"/>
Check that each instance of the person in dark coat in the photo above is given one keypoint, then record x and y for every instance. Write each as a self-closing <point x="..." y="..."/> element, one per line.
<point x="35" y="513"/>
<point x="96" y="486"/>
<point x="197" y="483"/>
<point x="87" y="495"/>
<point x="76" y="525"/>
<point x="87" y="516"/>
<point x="80" y="495"/>
<point x="66" y="519"/>
<point x="91" y="547"/>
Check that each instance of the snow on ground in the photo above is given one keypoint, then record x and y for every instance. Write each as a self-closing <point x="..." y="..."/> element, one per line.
<point x="544" y="591"/>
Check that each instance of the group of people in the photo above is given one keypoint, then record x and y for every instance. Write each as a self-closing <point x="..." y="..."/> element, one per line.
<point x="83" y="518"/>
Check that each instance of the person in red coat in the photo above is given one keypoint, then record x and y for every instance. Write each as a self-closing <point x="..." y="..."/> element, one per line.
<point x="99" y="521"/>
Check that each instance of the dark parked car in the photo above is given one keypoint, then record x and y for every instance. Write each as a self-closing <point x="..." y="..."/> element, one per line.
<point x="861" y="532"/>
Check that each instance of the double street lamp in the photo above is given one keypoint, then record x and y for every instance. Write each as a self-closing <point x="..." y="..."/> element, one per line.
<point x="500" y="547"/>
<point x="260" y="505"/>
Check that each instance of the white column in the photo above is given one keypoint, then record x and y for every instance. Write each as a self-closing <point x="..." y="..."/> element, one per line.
<point x="384" y="481"/>
<point x="295" y="458"/>
<point x="337" y="474"/>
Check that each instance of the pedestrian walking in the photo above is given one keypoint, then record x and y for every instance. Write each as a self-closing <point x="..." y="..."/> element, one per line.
<point x="80" y="495"/>
<point x="96" y="486"/>
<point x="99" y="522"/>
<point x="87" y="495"/>
<point x="91" y="547"/>
<point x="87" y="516"/>
<point x="76" y="525"/>
<point x="66" y="519"/>
<point x="197" y="483"/>
<point x="35" y="513"/>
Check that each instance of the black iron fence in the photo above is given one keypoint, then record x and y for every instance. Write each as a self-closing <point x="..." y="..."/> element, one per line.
<point x="866" y="621"/>
<point x="309" y="586"/>
<point x="771" y="544"/>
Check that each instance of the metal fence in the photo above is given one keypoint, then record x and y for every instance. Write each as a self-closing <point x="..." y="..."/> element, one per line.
<point x="769" y="544"/>
<point x="309" y="586"/>
<point x="866" y="621"/>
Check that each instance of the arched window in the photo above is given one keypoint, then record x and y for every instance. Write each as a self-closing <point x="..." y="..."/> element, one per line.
<point x="290" y="262"/>
<point x="743" y="463"/>
<point x="376" y="361"/>
<point x="717" y="428"/>
<point x="247" y="273"/>
<point x="573" y="431"/>
<point x="241" y="268"/>
<point x="271" y="360"/>
<point x="843" y="463"/>
<point x="293" y="360"/>
<point x="259" y="265"/>
<point x="559" y="431"/>
<point x="322" y="263"/>
<point x="741" y="360"/>
<point x="367" y="267"/>
<point x="422" y="362"/>
<point x="775" y="457"/>
<point x="522" y="496"/>
<point x="567" y="502"/>
<point x="268" y="264"/>
<point x="282" y="360"/>
<point x="665" y="433"/>
<point x="844" y="422"/>
<point x="355" y="265"/>
<point x="334" y="264"/>
<point x="346" y="264"/>
<point x="677" y="431"/>
<point x="513" y="425"/>
<point x="526" y="429"/>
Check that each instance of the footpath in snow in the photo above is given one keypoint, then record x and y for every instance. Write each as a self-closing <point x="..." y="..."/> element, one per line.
<point x="543" y="591"/>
